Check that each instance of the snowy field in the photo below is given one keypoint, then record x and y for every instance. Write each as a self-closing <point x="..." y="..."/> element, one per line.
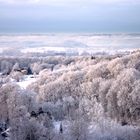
<point x="70" y="44"/>
<point x="27" y="80"/>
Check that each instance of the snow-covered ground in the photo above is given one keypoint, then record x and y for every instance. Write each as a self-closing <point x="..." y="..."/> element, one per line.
<point x="27" y="80"/>
<point x="57" y="125"/>
<point x="70" y="43"/>
<point x="65" y="125"/>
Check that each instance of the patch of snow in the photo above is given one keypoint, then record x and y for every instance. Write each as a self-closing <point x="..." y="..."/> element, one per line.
<point x="65" y="125"/>
<point x="28" y="79"/>
<point x="92" y="128"/>
<point x="12" y="80"/>
<point x="57" y="125"/>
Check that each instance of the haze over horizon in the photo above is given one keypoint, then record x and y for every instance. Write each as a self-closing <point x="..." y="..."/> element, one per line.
<point x="69" y="16"/>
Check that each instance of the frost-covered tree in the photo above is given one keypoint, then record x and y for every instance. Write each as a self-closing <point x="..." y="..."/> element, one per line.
<point x="6" y="67"/>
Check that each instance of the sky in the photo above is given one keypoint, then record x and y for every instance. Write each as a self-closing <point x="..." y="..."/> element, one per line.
<point x="69" y="16"/>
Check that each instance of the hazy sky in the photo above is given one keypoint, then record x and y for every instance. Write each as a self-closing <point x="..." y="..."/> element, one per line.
<point x="69" y="15"/>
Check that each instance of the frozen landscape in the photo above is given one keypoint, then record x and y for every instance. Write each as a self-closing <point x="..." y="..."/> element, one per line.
<point x="69" y="69"/>
<point x="94" y="96"/>
<point x="68" y="44"/>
